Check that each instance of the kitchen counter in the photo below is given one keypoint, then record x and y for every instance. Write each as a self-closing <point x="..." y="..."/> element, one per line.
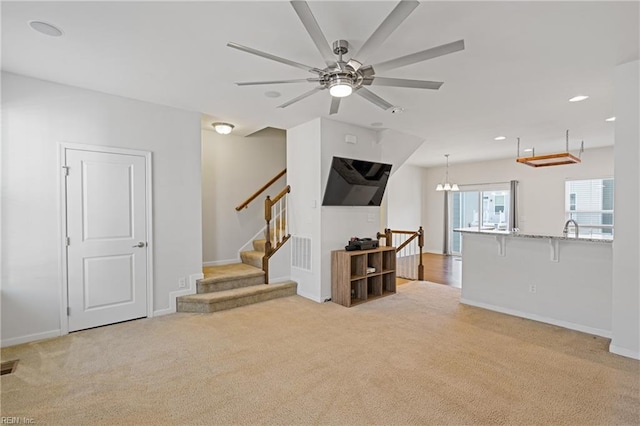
<point x="591" y="238"/>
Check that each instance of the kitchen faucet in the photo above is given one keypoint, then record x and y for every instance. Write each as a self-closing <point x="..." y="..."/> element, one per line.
<point x="565" y="231"/>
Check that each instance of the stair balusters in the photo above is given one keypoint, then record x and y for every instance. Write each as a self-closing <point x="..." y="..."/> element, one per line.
<point x="275" y="210"/>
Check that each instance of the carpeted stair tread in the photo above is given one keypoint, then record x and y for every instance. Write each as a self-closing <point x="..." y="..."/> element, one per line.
<point x="231" y="271"/>
<point x="229" y="299"/>
<point x="227" y="277"/>
<point x="258" y="245"/>
<point x="252" y="257"/>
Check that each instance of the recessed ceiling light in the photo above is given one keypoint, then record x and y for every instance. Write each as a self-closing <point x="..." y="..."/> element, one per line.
<point x="46" y="28"/>
<point x="610" y="119"/>
<point x="376" y="124"/>
<point x="578" y="98"/>
<point x="500" y="138"/>
<point x="272" y="94"/>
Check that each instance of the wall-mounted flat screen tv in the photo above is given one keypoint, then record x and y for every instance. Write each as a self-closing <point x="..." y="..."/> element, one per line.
<point x="356" y="182"/>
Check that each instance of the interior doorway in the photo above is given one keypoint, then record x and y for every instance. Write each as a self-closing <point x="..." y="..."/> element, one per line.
<point x="106" y="226"/>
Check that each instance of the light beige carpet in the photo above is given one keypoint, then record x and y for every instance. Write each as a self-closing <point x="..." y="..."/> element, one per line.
<point x="417" y="357"/>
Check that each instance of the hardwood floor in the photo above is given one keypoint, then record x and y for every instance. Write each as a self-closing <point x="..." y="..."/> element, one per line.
<point x="440" y="269"/>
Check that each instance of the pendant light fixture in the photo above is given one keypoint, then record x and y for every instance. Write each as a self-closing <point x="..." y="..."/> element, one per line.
<point x="447" y="186"/>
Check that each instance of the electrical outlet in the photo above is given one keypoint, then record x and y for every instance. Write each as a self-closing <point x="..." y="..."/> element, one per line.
<point x="532" y="288"/>
<point x="182" y="282"/>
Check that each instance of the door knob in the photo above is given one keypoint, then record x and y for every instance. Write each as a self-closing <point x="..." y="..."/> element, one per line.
<point x="140" y="244"/>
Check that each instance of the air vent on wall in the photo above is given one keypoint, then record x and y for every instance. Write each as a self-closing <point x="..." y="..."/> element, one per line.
<point x="301" y="252"/>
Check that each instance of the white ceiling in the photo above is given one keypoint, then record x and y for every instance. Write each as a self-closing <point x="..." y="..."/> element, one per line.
<point x="522" y="62"/>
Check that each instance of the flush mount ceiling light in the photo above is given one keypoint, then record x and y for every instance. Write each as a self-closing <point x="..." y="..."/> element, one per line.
<point x="223" y="128"/>
<point x="447" y="186"/>
<point x="499" y="138"/>
<point x="610" y="119"/>
<point x="45" y="28"/>
<point x="578" y="98"/>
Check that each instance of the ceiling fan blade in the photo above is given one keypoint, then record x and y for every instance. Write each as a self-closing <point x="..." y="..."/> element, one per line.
<point x="299" y="80"/>
<point x="373" y="98"/>
<point x="301" y="97"/>
<point x="312" y="27"/>
<point x="402" y="10"/>
<point x="401" y="82"/>
<point x="434" y="52"/>
<point x="274" y="57"/>
<point x="335" y="104"/>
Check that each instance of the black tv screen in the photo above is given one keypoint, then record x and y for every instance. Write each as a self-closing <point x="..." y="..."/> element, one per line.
<point x="356" y="183"/>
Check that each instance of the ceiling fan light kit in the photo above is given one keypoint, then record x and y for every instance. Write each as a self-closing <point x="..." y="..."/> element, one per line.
<point x="343" y="78"/>
<point x="558" y="159"/>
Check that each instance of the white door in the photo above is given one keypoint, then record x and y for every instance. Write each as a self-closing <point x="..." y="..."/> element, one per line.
<point x="107" y="241"/>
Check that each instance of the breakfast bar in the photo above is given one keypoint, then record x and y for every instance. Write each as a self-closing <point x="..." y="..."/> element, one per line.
<point x="561" y="280"/>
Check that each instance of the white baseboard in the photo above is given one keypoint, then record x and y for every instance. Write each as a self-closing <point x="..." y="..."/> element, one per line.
<point x="172" y="295"/>
<point x="277" y="280"/>
<point x="527" y="315"/>
<point x="309" y="296"/>
<point x="30" y="338"/>
<point x="221" y="262"/>
<point x="618" y="350"/>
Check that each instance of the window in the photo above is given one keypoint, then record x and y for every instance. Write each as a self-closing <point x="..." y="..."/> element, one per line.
<point x="487" y="208"/>
<point x="590" y="203"/>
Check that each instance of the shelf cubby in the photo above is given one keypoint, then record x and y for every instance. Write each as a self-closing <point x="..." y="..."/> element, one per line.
<point x="350" y="282"/>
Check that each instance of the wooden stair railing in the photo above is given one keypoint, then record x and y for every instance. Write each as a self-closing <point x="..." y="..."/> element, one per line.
<point x="264" y="187"/>
<point x="408" y="243"/>
<point x="275" y="210"/>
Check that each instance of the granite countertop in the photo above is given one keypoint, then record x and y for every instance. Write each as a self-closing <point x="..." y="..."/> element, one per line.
<point x="591" y="238"/>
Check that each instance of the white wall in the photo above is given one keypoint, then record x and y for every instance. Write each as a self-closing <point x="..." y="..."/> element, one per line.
<point x="626" y="249"/>
<point x="310" y="151"/>
<point x="404" y="198"/>
<point x="305" y="199"/>
<point x="541" y="190"/>
<point x="574" y="292"/>
<point x="36" y="116"/>
<point x="233" y="168"/>
<point x="340" y="223"/>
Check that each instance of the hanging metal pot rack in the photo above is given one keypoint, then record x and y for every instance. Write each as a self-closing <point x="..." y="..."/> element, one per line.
<point x="558" y="159"/>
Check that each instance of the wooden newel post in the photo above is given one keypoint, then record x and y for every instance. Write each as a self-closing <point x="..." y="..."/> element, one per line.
<point x="267" y="245"/>
<point x="421" y="244"/>
<point x="389" y="237"/>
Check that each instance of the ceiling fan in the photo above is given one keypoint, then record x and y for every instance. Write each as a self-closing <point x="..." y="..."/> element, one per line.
<point x="345" y="77"/>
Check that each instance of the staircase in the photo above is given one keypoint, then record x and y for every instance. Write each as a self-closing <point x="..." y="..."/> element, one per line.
<point x="234" y="285"/>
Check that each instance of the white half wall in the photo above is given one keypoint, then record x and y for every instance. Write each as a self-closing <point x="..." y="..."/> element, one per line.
<point x="36" y="116"/>
<point x="574" y="292"/>
<point x="541" y="191"/>
<point x="626" y="249"/>
<point x="233" y="168"/>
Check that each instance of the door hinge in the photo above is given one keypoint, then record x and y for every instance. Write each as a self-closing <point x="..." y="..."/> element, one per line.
<point x="67" y="241"/>
<point x="68" y="311"/>
<point x="66" y="170"/>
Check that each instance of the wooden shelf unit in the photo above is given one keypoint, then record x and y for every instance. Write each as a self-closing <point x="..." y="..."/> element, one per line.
<point x="350" y="283"/>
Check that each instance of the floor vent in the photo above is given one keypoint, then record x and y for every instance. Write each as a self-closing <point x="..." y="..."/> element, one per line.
<point x="301" y="252"/>
<point x="8" y="367"/>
